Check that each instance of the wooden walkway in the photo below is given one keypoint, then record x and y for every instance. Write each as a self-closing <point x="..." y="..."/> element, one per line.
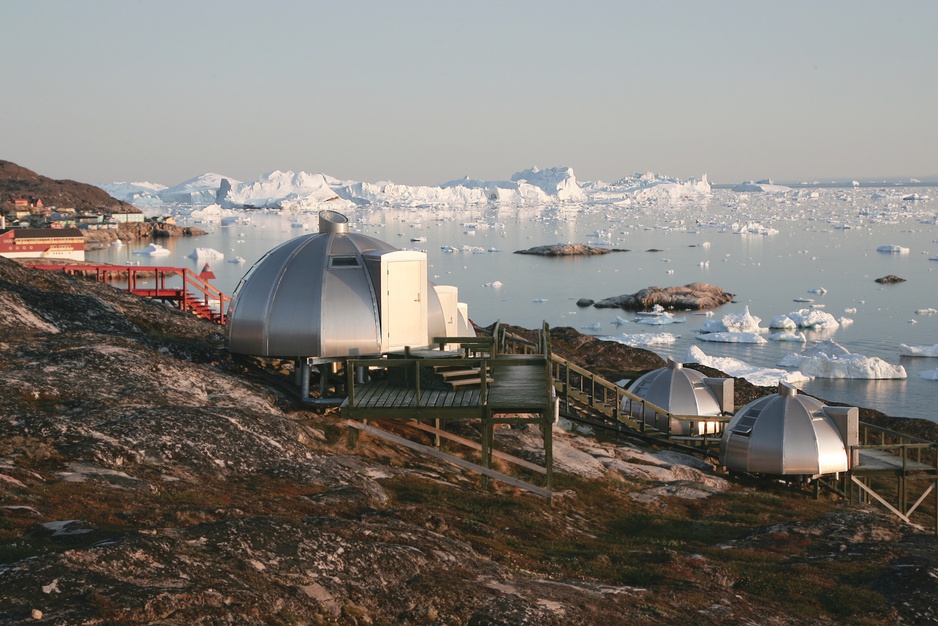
<point x="195" y="295"/>
<point x="520" y="392"/>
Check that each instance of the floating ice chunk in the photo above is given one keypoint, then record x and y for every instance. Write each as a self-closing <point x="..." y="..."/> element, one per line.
<point x="238" y="259"/>
<point x="154" y="249"/>
<point x="660" y="320"/>
<point x="732" y="337"/>
<point x="206" y="253"/>
<point x="929" y="374"/>
<point x="850" y="311"/>
<point x="593" y="326"/>
<point x="827" y="359"/>
<point x="845" y="321"/>
<point x="744" y="322"/>
<point x="805" y="318"/>
<point x="803" y="300"/>
<point x="495" y="284"/>
<point x="705" y="244"/>
<point x="787" y="335"/>
<point x="926" y="311"/>
<point x="540" y="300"/>
<point x="644" y="339"/>
<point x="753" y="228"/>
<point x="818" y="290"/>
<point x="619" y="321"/>
<point x="924" y="351"/>
<point x="893" y="249"/>
<point x="766" y="377"/>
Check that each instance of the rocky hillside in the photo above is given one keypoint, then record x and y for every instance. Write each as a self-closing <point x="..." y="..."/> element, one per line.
<point x="16" y="182"/>
<point x="143" y="480"/>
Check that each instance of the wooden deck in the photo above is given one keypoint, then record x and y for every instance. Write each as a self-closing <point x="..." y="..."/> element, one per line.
<point x="519" y="385"/>
<point x="884" y="463"/>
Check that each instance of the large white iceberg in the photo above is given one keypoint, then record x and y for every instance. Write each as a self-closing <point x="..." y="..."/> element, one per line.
<point x="815" y="319"/>
<point x="926" y="351"/>
<point x="744" y="322"/>
<point x="762" y="376"/>
<point x="828" y="359"/>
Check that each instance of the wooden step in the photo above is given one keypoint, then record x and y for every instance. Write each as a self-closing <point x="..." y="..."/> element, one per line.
<point x="461" y="382"/>
<point x="472" y="371"/>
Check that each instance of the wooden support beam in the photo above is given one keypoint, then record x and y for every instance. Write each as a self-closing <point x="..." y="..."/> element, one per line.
<point x="462" y="463"/>
<point x="469" y="443"/>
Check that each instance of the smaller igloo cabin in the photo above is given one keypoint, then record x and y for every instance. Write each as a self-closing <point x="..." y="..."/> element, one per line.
<point x="788" y="433"/>
<point x="679" y="391"/>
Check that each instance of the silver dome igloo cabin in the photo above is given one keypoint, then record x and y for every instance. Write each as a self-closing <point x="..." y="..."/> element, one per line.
<point x="333" y="295"/>
<point x="788" y="433"/>
<point x="680" y="391"/>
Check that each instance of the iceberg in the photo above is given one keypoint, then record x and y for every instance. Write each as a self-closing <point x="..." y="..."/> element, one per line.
<point x="828" y="359"/>
<point x="753" y="228"/>
<point x="922" y="351"/>
<point x="206" y="253"/>
<point x="154" y="249"/>
<point x="893" y="249"/>
<point x="805" y="318"/>
<point x="788" y="336"/>
<point x="732" y="337"/>
<point x="765" y="377"/>
<point x="660" y="320"/>
<point x="743" y="322"/>
<point x="637" y="340"/>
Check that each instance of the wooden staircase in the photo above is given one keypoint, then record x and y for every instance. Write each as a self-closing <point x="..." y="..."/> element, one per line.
<point x="460" y="377"/>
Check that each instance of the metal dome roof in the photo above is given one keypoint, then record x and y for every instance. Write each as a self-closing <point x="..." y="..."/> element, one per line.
<point x="317" y="296"/>
<point x="680" y="392"/>
<point x="788" y="433"/>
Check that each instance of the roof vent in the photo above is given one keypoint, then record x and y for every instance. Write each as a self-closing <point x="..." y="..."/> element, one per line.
<point x="332" y="222"/>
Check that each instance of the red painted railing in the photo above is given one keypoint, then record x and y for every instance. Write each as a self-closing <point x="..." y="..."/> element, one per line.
<point x="196" y="295"/>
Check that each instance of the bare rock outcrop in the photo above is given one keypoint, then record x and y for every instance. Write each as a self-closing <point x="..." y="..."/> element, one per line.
<point x="568" y="249"/>
<point x="692" y="297"/>
<point x="891" y="279"/>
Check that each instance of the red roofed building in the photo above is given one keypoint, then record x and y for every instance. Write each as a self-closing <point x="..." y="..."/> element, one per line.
<point x="42" y="243"/>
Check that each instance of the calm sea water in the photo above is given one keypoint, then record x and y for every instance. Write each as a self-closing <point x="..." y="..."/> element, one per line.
<point x="826" y="242"/>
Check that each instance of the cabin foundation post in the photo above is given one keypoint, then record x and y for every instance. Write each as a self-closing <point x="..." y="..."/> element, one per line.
<point x="303" y="371"/>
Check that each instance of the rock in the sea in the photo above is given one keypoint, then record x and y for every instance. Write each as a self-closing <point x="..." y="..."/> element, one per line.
<point x="585" y="302"/>
<point x="568" y="249"/>
<point x="891" y="279"/>
<point x="695" y="297"/>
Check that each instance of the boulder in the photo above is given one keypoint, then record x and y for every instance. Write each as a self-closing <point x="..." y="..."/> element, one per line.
<point x="891" y="279"/>
<point x="694" y="297"/>
<point x="568" y="249"/>
<point x="585" y="302"/>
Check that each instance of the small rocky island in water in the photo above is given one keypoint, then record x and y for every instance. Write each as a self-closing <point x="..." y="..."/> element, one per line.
<point x="568" y="249"/>
<point x="693" y="297"/>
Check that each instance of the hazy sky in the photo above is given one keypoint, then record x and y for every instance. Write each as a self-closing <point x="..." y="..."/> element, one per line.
<point x="426" y="92"/>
